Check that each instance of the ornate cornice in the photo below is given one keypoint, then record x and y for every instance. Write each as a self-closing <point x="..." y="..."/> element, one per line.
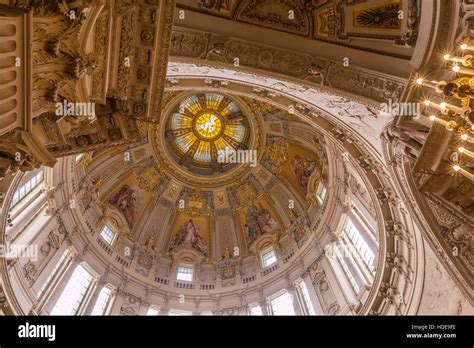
<point x="210" y="49"/>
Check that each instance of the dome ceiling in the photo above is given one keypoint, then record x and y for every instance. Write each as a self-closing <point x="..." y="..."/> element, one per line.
<point x="339" y="208"/>
<point x="241" y="206"/>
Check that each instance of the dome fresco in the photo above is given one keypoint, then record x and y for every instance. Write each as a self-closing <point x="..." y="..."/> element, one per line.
<point x="195" y="224"/>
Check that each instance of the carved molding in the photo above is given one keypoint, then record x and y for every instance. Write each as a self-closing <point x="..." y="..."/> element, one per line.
<point x="211" y="47"/>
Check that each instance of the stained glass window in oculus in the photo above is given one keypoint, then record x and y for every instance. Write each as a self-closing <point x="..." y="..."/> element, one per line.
<point x="180" y="121"/>
<point x="213" y="100"/>
<point x="185" y="142"/>
<point x="203" y="152"/>
<point x="222" y="144"/>
<point x="235" y="131"/>
<point x="203" y="124"/>
<point x="230" y="110"/>
<point x="190" y="105"/>
<point x="208" y="125"/>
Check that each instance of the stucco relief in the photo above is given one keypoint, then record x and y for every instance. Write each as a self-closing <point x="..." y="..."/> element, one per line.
<point x="441" y="295"/>
<point x="364" y="119"/>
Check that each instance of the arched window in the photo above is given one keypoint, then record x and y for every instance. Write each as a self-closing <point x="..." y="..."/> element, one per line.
<point x="31" y="185"/>
<point x="321" y="192"/>
<point x="27" y="213"/>
<point x="153" y="310"/>
<point x="55" y="273"/>
<point x="347" y="271"/>
<point x="303" y="297"/>
<point x="104" y="301"/>
<point x="74" y="296"/>
<point x="255" y="309"/>
<point x="354" y="238"/>
<point x="282" y="304"/>
<point x="179" y="312"/>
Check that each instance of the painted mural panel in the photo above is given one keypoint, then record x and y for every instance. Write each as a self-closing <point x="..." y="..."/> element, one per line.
<point x="300" y="166"/>
<point x="191" y="234"/>
<point x="127" y="201"/>
<point x="258" y="219"/>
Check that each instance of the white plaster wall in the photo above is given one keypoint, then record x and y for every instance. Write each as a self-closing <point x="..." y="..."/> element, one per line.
<point x="441" y="296"/>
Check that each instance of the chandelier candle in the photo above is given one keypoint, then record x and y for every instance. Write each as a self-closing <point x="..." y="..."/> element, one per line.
<point x="461" y="70"/>
<point x="466" y="152"/>
<point x="463" y="172"/>
<point x="430" y="84"/>
<point x="467" y="47"/>
<point x="444" y="107"/>
<point x="438" y="120"/>
<point x="463" y="60"/>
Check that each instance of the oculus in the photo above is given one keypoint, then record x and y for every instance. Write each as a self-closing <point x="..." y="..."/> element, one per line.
<point x="203" y="125"/>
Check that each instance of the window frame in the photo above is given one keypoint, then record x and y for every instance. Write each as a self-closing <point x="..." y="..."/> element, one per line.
<point x="54" y="275"/>
<point x="347" y="271"/>
<point x="276" y="296"/>
<point x="178" y="312"/>
<point x="304" y="298"/>
<point x="255" y="305"/>
<point x="266" y="252"/>
<point x="187" y="267"/>
<point x="108" y="302"/>
<point x="106" y="228"/>
<point x="85" y="292"/>
<point x="153" y="308"/>
<point x="353" y="236"/>
<point x="27" y="189"/>
<point x="321" y="188"/>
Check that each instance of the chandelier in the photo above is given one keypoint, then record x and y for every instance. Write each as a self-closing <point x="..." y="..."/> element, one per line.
<point x="456" y="109"/>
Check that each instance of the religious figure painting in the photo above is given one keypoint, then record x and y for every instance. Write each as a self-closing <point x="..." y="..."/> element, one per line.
<point x="302" y="169"/>
<point x="258" y="222"/>
<point x="189" y="236"/>
<point x="127" y="201"/>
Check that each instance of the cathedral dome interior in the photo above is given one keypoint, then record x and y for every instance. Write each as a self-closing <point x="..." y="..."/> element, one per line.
<point x="238" y="157"/>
